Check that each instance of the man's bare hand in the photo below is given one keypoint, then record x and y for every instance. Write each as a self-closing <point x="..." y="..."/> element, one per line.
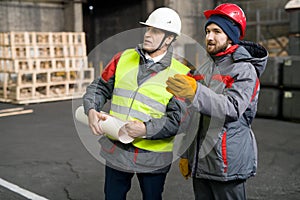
<point x="94" y="118"/>
<point x="135" y="129"/>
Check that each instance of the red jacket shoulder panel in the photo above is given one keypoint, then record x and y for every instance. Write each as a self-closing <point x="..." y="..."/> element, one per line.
<point x="110" y="68"/>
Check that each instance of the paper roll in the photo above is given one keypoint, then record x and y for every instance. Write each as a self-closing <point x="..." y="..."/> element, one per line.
<point x="112" y="126"/>
<point x="81" y="116"/>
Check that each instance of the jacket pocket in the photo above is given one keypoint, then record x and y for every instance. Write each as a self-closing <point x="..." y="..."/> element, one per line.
<point x="213" y="159"/>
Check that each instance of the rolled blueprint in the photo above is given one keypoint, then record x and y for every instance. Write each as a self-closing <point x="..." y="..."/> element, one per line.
<point x="81" y="116"/>
<point x="110" y="126"/>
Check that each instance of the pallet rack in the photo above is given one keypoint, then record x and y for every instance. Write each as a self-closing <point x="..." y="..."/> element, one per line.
<point x="43" y="66"/>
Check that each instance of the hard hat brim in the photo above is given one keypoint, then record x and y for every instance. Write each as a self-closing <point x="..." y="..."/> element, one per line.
<point x="209" y="13"/>
<point x="144" y="23"/>
<point x="161" y="28"/>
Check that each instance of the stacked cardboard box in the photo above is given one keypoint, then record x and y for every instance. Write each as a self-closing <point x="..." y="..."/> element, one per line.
<point x="280" y="88"/>
<point x="43" y="66"/>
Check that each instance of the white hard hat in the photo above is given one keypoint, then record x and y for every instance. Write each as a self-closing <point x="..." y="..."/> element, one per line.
<point x="165" y="19"/>
<point x="292" y="4"/>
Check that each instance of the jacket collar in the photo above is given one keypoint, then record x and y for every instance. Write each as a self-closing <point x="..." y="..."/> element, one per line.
<point x="246" y="51"/>
<point x="164" y="62"/>
<point x="230" y="50"/>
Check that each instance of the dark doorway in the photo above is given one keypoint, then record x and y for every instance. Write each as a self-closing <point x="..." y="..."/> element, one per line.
<point x="103" y="19"/>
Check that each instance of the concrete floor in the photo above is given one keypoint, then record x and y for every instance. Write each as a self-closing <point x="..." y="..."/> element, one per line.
<point x="42" y="153"/>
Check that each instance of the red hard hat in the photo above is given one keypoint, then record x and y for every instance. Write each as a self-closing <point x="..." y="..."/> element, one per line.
<point x="233" y="12"/>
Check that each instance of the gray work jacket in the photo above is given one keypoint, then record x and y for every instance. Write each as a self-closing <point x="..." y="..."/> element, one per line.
<point x="224" y="147"/>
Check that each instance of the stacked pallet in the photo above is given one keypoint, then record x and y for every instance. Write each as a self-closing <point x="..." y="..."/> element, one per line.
<point x="276" y="47"/>
<point x="43" y="66"/>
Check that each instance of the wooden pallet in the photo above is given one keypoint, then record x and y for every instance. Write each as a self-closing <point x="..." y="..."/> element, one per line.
<point x="43" y="66"/>
<point x="42" y="51"/>
<point x="44" y="84"/>
<point x="40" y="38"/>
<point x="40" y="64"/>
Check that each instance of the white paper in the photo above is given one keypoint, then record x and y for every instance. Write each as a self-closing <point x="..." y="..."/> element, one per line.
<point x="81" y="116"/>
<point x="110" y="126"/>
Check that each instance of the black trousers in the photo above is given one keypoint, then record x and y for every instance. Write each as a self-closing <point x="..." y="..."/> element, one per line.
<point x="118" y="183"/>
<point x="205" y="189"/>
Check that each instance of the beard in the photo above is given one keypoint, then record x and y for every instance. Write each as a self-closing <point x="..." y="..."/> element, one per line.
<point x="217" y="48"/>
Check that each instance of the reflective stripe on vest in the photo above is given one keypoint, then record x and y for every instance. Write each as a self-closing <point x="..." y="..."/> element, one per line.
<point x="143" y="102"/>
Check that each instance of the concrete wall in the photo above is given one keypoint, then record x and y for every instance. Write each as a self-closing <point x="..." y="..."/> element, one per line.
<point x="48" y="16"/>
<point x="191" y="13"/>
<point x="272" y="21"/>
<point x="192" y="39"/>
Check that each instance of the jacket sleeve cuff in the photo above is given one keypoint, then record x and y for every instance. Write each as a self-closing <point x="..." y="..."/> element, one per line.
<point x="87" y="107"/>
<point x="149" y="130"/>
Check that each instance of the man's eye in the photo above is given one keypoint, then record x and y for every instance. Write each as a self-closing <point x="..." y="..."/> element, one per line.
<point x="154" y="30"/>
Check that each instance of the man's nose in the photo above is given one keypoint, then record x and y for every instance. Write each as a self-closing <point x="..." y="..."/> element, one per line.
<point x="209" y="36"/>
<point x="148" y="33"/>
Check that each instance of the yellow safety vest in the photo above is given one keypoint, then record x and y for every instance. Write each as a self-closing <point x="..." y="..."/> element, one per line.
<point x="131" y="101"/>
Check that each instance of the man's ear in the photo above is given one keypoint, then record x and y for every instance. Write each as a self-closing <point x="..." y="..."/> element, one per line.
<point x="170" y="39"/>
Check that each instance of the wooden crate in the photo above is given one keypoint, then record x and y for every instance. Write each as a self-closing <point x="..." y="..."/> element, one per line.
<point x="78" y="63"/>
<point x="33" y="86"/>
<point x="77" y="50"/>
<point x="23" y="64"/>
<point x="16" y="51"/>
<point x="16" y="38"/>
<point x="276" y="47"/>
<point x="76" y="38"/>
<point x="6" y="65"/>
<point x="42" y="51"/>
<point x="43" y="66"/>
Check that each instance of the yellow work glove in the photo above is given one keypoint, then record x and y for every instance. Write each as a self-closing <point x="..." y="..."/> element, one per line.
<point x="184" y="168"/>
<point x="182" y="86"/>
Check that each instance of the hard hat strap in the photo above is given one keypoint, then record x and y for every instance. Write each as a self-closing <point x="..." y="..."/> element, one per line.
<point x="162" y="42"/>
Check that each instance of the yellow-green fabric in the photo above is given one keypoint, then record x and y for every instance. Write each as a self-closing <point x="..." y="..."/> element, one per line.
<point x="131" y="101"/>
